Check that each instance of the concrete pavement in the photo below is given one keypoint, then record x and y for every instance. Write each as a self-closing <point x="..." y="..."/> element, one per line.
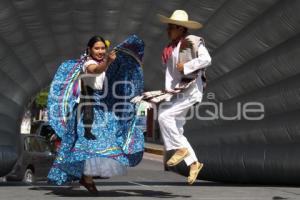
<point x="153" y="148"/>
<point x="148" y="181"/>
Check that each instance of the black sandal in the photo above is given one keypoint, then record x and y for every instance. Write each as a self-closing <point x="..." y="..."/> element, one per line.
<point x="91" y="187"/>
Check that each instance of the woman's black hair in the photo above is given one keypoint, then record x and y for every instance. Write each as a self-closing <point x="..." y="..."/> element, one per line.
<point x="93" y="40"/>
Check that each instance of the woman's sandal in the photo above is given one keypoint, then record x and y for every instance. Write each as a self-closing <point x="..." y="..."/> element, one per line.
<point x="91" y="187"/>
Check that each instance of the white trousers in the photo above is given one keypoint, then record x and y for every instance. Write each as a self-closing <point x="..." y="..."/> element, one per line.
<point x="172" y="117"/>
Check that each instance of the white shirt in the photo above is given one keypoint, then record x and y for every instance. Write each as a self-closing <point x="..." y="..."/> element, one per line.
<point x="94" y="81"/>
<point x="173" y="76"/>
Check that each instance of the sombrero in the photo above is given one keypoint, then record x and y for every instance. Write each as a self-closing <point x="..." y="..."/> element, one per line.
<point x="181" y="18"/>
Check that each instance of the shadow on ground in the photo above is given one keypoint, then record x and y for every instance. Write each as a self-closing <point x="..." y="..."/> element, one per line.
<point x="76" y="192"/>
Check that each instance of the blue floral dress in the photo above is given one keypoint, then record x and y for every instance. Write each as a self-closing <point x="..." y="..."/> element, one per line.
<point x="119" y="143"/>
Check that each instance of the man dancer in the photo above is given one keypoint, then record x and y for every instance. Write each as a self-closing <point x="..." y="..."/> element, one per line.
<point x="185" y="59"/>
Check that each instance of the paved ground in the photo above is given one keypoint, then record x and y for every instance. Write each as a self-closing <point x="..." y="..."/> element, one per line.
<point x="148" y="181"/>
<point x="153" y="148"/>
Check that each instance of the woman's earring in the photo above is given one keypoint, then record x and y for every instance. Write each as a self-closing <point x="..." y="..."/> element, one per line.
<point x="87" y="53"/>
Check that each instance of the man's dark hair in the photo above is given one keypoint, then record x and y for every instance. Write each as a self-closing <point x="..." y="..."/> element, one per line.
<point x="185" y="29"/>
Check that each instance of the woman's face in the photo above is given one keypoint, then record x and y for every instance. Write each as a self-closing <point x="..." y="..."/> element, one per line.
<point x="98" y="51"/>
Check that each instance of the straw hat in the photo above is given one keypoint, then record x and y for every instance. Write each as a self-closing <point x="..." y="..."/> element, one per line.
<point x="181" y="18"/>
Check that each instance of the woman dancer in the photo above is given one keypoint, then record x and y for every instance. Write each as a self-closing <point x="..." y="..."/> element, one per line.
<point x="97" y="128"/>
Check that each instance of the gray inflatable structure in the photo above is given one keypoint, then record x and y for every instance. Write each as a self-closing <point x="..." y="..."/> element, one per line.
<point x="255" y="46"/>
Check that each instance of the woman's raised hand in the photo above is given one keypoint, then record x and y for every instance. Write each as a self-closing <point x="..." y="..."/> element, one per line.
<point x="112" y="56"/>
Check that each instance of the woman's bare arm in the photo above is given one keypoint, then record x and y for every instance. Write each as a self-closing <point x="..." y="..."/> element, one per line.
<point x="97" y="68"/>
<point x="101" y="67"/>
